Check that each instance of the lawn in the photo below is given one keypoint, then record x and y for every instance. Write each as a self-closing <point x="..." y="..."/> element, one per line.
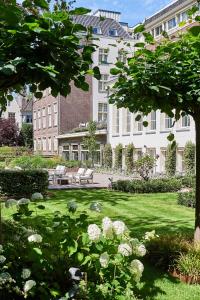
<point x="141" y="213"/>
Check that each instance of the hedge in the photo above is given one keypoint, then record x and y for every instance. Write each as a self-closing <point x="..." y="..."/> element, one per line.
<point x="24" y="183"/>
<point x="170" y="163"/>
<point x="186" y="199"/>
<point x="151" y="186"/>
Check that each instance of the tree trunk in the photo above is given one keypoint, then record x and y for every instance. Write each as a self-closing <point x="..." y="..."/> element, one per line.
<point x="197" y="210"/>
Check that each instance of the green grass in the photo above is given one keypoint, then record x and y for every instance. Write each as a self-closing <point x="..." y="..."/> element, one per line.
<point x="141" y="213"/>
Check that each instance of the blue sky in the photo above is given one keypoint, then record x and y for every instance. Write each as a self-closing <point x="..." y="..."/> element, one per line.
<point x="133" y="11"/>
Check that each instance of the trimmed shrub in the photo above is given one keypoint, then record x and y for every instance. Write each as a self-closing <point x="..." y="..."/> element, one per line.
<point x="170" y="163"/>
<point x="23" y="183"/>
<point x="145" y="165"/>
<point x="189" y="158"/>
<point x="107" y="156"/>
<point x="129" y="158"/>
<point x="186" y="199"/>
<point x="118" y="156"/>
<point x="151" y="186"/>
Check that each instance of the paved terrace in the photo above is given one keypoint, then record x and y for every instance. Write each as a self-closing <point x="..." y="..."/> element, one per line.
<point x="100" y="181"/>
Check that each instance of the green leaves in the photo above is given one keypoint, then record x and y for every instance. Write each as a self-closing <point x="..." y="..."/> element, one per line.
<point x="140" y="28"/>
<point x="80" y="11"/>
<point x="170" y="137"/>
<point x="42" y="3"/>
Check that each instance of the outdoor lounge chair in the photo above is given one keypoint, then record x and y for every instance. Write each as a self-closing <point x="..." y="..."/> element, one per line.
<point x="60" y="171"/>
<point x="86" y="177"/>
<point x="80" y="172"/>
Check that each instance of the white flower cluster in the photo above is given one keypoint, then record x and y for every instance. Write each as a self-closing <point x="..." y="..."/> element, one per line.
<point x="94" y="232"/>
<point x="10" y="202"/>
<point x="2" y="259"/>
<point x="96" y="206"/>
<point x="119" y="227"/>
<point x="104" y="259"/>
<point x="23" y="201"/>
<point x="29" y="285"/>
<point x="26" y="273"/>
<point x="107" y="226"/>
<point x="125" y="249"/>
<point x="150" y="235"/>
<point x="35" y="238"/>
<point x="37" y="196"/>
<point x="137" y="268"/>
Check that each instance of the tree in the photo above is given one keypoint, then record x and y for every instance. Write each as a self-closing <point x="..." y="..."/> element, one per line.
<point x="9" y="132"/>
<point x="170" y="163"/>
<point x="145" y="165"/>
<point x="129" y="157"/>
<point x="189" y="158"/>
<point x="89" y="141"/>
<point x="27" y="135"/>
<point x="42" y="48"/>
<point x="118" y="156"/>
<point x="107" y="156"/>
<point x="166" y="78"/>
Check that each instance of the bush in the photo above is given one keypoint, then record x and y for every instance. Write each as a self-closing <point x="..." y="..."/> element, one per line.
<point x="23" y="183"/>
<point x="129" y="158"/>
<point x="188" y="264"/>
<point x="27" y="134"/>
<point x="187" y="199"/>
<point x="107" y="156"/>
<point x="170" y="163"/>
<point x="118" y="156"/>
<point x="189" y="158"/>
<point x="151" y="186"/>
<point x="145" y="165"/>
<point x="11" y="152"/>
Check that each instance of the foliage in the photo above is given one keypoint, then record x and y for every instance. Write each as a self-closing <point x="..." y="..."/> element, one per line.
<point x="188" y="264"/>
<point x="186" y="199"/>
<point x="165" y="249"/>
<point x="27" y="134"/>
<point x="189" y="158"/>
<point x="118" y="156"/>
<point x="107" y="156"/>
<point x="145" y="165"/>
<point x="129" y="151"/>
<point x="42" y="47"/>
<point x="99" y="126"/>
<point x="170" y="162"/>
<point x="9" y="132"/>
<point x="10" y="152"/>
<point x="23" y="183"/>
<point x="89" y="140"/>
<point x="150" y="186"/>
<point x="40" y="162"/>
<point x="105" y="255"/>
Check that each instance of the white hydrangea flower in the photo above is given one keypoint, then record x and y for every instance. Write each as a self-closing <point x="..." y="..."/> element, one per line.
<point x="119" y="227"/>
<point x="1" y="249"/>
<point x="10" y="203"/>
<point x="5" y="276"/>
<point x="29" y="285"/>
<point x="94" y="232"/>
<point x="35" y="238"/>
<point x="96" y="206"/>
<point x="137" y="267"/>
<point x="2" y="259"/>
<point x="140" y="250"/>
<point x="23" y="201"/>
<point x="37" y="196"/>
<point x="26" y="273"/>
<point x="125" y="249"/>
<point x="107" y="226"/>
<point x="104" y="259"/>
<point x="150" y="235"/>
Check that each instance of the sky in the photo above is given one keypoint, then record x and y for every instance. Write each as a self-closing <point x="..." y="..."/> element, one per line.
<point x="133" y="11"/>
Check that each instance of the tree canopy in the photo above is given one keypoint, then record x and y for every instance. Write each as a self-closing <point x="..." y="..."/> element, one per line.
<point x="42" y="47"/>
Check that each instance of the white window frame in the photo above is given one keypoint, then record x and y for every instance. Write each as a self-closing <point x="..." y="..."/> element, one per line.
<point x="102" y="112"/>
<point x="103" y="55"/>
<point x="168" y="122"/>
<point x="44" y="117"/>
<point x="103" y="83"/>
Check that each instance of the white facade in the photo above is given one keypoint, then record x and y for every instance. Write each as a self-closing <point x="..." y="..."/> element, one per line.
<point x="122" y="126"/>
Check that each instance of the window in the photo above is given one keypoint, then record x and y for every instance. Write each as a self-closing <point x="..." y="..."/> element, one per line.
<point x="153" y="32"/>
<point x="172" y="23"/>
<point x="39" y="144"/>
<point x="122" y="56"/>
<point x="115" y="120"/>
<point x="84" y="153"/>
<point x="39" y="119"/>
<point x="34" y="120"/>
<point x="44" y="144"/>
<point x="66" y="153"/>
<point x="49" y="116"/>
<point x="103" y="56"/>
<point x="28" y="119"/>
<point x="140" y="124"/>
<point x="35" y="145"/>
<point x="11" y="115"/>
<point x="128" y="121"/>
<point x="184" y="16"/>
<point x="74" y="152"/>
<point x="49" y="144"/>
<point x="96" y="30"/>
<point x="44" y="117"/>
<point x="113" y="32"/>
<point x="153" y="120"/>
<point x="168" y="122"/>
<point x="185" y="121"/>
<point x="55" y="109"/>
<point x="55" y="144"/>
<point x="102" y="112"/>
<point x="102" y="83"/>
<point x="158" y="30"/>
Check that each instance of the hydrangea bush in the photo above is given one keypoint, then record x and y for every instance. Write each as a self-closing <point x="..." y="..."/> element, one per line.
<point x="68" y="257"/>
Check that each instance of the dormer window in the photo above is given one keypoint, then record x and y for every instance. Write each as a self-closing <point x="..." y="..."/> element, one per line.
<point x="96" y="30"/>
<point x="113" y="32"/>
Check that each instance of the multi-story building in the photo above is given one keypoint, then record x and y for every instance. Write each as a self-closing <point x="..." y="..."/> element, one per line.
<point x="60" y="123"/>
<point x="122" y="125"/>
<point x="19" y="109"/>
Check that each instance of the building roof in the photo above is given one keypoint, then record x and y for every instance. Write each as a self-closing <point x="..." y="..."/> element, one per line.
<point x="109" y="11"/>
<point x="81" y="134"/>
<point x="164" y="10"/>
<point x="104" y="24"/>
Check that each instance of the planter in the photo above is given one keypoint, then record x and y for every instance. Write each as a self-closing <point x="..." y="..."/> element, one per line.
<point x="185" y="278"/>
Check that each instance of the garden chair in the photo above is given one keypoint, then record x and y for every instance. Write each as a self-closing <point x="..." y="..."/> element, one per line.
<point x="60" y="171"/>
<point x="80" y="172"/>
<point x="86" y="177"/>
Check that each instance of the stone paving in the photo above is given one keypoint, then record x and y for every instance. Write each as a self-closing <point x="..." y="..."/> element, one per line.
<point x="100" y="181"/>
